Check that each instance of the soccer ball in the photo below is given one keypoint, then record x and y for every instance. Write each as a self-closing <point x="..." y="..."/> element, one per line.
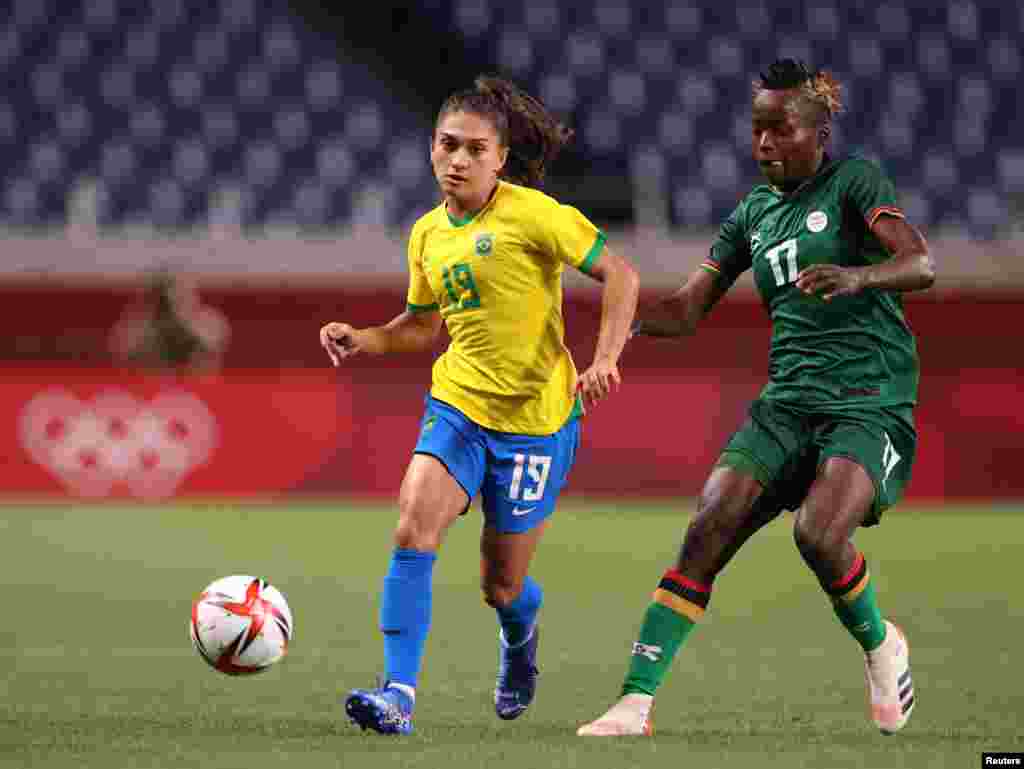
<point x="241" y="625"/>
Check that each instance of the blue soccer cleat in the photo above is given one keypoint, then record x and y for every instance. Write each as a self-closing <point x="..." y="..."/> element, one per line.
<point x="384" y="710"/>
<point x="517" y="677"/>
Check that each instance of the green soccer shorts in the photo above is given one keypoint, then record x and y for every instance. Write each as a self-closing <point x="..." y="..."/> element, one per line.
<point x="783" y="447"/>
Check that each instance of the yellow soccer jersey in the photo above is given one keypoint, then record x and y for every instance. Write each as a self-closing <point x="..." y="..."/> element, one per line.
<point x="496" y="278"/>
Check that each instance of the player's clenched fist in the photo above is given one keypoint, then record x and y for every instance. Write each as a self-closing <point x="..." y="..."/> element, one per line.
<point x="340" y="340"/>
<point x="598" y="381"/>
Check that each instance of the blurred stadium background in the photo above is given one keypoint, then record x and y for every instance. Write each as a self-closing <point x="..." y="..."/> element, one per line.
<point x="188" y="190"/>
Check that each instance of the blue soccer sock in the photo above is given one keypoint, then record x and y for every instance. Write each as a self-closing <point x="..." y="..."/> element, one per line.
<point x="405" y="607"/>
<point x="518" y="617"/>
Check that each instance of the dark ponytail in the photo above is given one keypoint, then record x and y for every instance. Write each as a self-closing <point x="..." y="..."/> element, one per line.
<point x="533" y="135"/>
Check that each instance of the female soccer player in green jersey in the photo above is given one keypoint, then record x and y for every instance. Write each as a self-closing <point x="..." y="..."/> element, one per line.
<point x="502" y="416"/>
<point x="832" y="434"/>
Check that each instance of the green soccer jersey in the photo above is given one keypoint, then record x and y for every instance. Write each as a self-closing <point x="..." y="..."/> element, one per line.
<point x="849" y="352"/>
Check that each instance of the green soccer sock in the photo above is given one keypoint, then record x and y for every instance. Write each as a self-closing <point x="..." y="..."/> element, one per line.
<point x="853" y="598"/>
<point x="676" y="606"/>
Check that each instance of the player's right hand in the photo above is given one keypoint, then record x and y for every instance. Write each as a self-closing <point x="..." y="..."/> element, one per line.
<point x="340" y="340"/>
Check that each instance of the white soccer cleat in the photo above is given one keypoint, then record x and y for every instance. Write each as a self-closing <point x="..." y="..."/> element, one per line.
<point x="890" y="690"/>
<point x="631" y="715"/>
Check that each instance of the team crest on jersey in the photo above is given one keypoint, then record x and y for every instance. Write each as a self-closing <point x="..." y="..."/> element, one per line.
<point x="484" y="243"/>
<point x="755" y="240"/>
<point x="817" y="221"/>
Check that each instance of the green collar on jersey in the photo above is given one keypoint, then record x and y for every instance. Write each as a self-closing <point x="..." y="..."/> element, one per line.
<point x="462" y="221"/>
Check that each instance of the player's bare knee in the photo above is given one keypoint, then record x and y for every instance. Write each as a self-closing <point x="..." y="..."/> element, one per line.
<point x="408" y="536"/>
<point x="710" y="532"/>
<point x="700" y="533"/>
<point x="816" y="539"/>
<point x="820" y="535"/>
<point x="501" y="592"/>
<point x="413" y="533"/>
<point x="716" y="522"/>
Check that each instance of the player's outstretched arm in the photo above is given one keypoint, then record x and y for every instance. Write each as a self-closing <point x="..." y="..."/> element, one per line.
<point x="618" y="307"/>
<point x="409" y="332"/>
<point x="679" y="314"/>
<point x="910" y="268"/>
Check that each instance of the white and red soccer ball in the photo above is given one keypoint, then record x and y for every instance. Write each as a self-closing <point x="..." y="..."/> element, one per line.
<point x="241" y="625"/>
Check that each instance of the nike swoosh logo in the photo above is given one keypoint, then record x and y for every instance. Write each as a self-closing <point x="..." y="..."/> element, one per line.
<point x="524" y="511"/>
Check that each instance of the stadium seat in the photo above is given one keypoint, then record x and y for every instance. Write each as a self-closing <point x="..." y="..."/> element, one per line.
<point x="165" y="102"/>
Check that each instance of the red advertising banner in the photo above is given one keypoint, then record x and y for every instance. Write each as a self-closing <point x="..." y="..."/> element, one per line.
<point x="105" y="433"/>
<point x="97" y="433"/>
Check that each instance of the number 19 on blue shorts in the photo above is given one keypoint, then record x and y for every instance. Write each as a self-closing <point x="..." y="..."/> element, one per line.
<point x="518" y="477"/>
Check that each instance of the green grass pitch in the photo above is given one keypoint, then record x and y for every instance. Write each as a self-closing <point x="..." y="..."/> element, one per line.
<point x="96" y="669"/>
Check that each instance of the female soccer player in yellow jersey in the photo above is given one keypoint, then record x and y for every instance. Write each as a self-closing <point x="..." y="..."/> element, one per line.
<point x="502" y="416"/>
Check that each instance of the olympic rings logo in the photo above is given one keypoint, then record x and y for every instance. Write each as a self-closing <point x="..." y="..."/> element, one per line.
<point x="116" y="440"/>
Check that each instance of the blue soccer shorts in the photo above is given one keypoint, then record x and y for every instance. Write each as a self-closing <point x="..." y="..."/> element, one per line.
<point x="518" y="477"/>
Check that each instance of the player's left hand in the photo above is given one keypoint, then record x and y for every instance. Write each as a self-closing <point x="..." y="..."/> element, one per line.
<point x="830" y="280"/>
<point x="598" y="381"/>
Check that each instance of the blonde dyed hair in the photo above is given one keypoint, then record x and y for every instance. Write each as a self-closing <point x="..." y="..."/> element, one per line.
<point x="820" y="93"/>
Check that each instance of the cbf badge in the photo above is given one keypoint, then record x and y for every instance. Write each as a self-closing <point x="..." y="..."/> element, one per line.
<point x="484" y="243"/>
<point x="817" y="221"/>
